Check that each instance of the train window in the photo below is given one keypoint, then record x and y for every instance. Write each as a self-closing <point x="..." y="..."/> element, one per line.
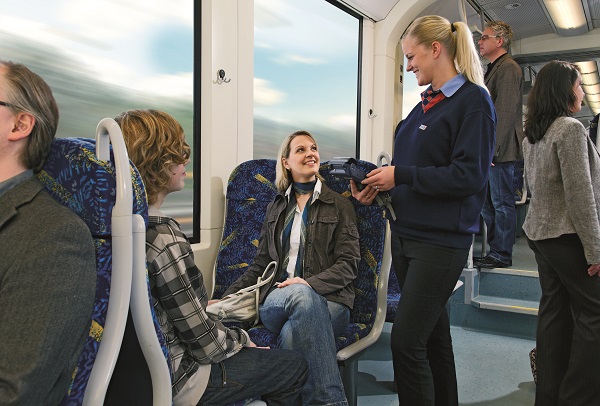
<point x="101" y="58"/>
<point x="305" y="75"/>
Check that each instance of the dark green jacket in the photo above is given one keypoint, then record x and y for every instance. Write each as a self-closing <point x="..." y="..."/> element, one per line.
<point x="332" y="248"/>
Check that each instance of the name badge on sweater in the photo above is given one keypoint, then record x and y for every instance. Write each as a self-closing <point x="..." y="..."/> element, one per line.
<point x="422" y="127"/>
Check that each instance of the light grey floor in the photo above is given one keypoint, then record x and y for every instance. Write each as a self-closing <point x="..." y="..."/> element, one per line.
<point x="492" y="370"/>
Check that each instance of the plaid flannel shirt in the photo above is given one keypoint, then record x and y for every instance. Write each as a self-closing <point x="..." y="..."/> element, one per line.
<point x="192" y="336"/>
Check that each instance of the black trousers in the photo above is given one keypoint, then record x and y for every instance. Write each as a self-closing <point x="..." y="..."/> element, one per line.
<point x="421" y="343"/>
<point x="568" y="333"/>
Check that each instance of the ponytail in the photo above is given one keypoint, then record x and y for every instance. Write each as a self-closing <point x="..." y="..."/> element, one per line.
<point x="455" y="37"/>
<point x="466" y="58"/>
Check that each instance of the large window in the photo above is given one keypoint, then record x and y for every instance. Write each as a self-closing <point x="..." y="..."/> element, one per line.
<point x="305" y="75"/>
<point x="103" y="57"/>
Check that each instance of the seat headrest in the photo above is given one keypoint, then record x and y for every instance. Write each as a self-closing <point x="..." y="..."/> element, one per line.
<point x="253" y="180"/>
<point x="76" y="178"/>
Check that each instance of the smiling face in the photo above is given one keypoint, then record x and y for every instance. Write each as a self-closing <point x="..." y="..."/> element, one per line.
<point x="303" y="160"/>
<point x="420" y="60"/>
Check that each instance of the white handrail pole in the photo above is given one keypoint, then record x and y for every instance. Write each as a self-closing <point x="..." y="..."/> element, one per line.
<point x="142" y="319"/>
<point x="108" y="132"/>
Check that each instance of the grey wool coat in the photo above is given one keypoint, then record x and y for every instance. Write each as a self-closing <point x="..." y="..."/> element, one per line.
<point x="562" y="171"/>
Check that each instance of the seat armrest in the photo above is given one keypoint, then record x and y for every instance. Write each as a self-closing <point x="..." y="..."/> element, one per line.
<point x="382" y="287"/>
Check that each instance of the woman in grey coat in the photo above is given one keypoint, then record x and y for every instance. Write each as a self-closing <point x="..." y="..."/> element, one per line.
<point x="562" y="168"/>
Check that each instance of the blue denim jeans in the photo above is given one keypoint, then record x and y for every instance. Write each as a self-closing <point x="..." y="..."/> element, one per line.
<point x="277" y="375"/>
<point x="305" y="322"/>
<point x="499" y="212"/>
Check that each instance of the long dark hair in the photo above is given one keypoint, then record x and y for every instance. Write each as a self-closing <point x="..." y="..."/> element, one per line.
<point x="552" y="96"/>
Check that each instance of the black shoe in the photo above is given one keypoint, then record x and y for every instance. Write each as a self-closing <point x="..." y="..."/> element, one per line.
<point x="489" y="262"/>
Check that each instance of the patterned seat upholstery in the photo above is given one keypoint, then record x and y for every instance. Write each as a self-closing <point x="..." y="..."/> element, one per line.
<point x="250" y="189"/>
<point x="518" y="181"/>
<point x="393" y="296"/>
<point x="76" y="178"/>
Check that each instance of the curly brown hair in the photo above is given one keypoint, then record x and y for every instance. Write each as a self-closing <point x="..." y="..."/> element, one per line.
<point x="155" y="143"/>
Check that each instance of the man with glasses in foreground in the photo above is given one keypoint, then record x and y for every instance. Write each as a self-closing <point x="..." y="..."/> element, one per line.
<point x="504" y="80"/>
<point x="47" y="257"/>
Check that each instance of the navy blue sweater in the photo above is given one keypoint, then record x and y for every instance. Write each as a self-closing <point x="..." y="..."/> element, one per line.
<point x="442" y="160"/>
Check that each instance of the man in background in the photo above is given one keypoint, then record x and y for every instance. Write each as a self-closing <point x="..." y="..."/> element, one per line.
<point x="504" y="80"/>
<point x="47" y="257"/>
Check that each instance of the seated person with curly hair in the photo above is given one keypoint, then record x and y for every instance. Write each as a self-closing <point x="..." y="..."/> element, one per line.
<point x="211" y="363"/>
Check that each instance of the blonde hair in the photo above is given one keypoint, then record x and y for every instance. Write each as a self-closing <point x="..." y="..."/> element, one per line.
<point x="455" y="37"/>
<point x="155" y="142"/>
<point x="283" y="177"/>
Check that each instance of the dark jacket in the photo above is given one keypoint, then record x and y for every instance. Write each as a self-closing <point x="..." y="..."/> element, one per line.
<point x="332" y="248"/>
<point x="505" y="83"/>
<point x="47" y="287"/>
<point x="441" y="163"/>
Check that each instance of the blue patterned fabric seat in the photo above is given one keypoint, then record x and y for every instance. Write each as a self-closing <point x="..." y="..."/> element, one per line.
<point x="393" y="296"/>
<point x="77" y="179"/>
<point x="250" y="189"/>
<point x="518" y="181"/>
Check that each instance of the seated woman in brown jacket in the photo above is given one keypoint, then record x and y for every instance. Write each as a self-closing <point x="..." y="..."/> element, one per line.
<point x="311" y="232"/>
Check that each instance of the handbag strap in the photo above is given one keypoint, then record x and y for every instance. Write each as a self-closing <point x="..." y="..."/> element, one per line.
<point x="261" y="282"/>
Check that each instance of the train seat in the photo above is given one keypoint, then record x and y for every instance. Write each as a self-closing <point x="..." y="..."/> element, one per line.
<point x="393" y="296"/>
<point x="250" y="189"/>
<point x="81" y="174"/>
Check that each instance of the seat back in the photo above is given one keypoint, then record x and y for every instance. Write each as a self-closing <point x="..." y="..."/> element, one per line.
<point x="371" y="224"/>
<point x="250" y="189"/>
<point x="78" y="179"/>
<point x="519" y="182"/>
<point x="393" y="296"/>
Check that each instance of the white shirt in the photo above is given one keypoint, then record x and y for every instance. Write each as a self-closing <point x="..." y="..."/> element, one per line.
<point x="295" y="233"/>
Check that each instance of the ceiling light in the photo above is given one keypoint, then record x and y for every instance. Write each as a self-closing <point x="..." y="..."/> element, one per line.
<point x="590" y="83"/>
<point x="587" y="66"/>
<point x="568" y="16"/>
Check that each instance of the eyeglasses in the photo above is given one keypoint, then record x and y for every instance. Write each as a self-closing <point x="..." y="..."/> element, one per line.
<point x="6" y="104"/>
<point x="484" y="37"/>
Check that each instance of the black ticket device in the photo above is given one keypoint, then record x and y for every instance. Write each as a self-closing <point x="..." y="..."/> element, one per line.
<point x="347" y="168"/>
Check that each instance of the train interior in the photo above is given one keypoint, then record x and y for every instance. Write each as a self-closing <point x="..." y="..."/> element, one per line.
<point x="493" y="315"/>
<point x="492" y="311"/>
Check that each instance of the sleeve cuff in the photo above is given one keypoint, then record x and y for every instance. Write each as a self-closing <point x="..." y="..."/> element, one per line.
<point x="402" y="175"/>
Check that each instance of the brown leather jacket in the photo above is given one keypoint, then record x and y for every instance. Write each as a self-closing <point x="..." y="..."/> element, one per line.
<point x="332" y="248"/>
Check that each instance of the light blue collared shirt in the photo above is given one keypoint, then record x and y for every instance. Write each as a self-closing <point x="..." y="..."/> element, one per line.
<point x="451" y="86"/>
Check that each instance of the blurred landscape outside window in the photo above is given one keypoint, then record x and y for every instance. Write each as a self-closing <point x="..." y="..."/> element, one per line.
<point x="103" y="57"/>
<point x="305" y="75"/>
